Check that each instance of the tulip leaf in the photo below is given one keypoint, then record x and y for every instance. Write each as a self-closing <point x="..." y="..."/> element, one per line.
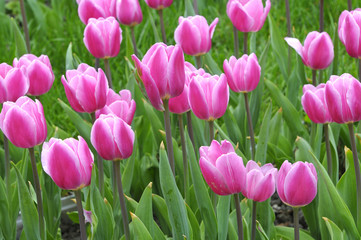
<point x="261" y="149"/>
<point x="69" y="62"/>
<point x="161" y="211"/>
<point x="5" y="224"/>
<point x="223" y="205"/>
<point x="127" y="175"/>
<point x="211" y="65"/>
<point x="287" y="233"/>
<point x="140" y="231"/>
<point x="334" y="230"/>
<point x="189" y="11"/>
<point x="144" y="210"/>
<point x="19" y="40"/>
<point x="176" y="209"/>
<point x="193" y="223"/>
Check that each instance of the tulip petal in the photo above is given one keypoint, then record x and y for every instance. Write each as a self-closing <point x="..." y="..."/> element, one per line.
<point x="197" y="100"/>
<point x="295" y="44"/>
<point x="176" y="72"/>
<point x="102" y="139"/>
<point x="351" y="36"/>
<point x="124" y="138"/>
<point x="220" y="97"/>
<point x="320" y="52"/>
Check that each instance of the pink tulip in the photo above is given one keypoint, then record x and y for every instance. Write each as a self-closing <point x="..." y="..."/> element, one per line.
<point x="39" y="72"/>
<point x="95" y="9"/>
<point x="129" y="12"/>
<point x="13" y="83"/>
<point x="222" y="168"/>
<point x="194" y="35"/>
<point x="68" y="162"/>
<point x="248" y="15"/>
<point x="314" y="103"/>
<point x="121" y="105"/>
<point x="85" y="88"/>
<point x="260" y="181"/>
<point x="208" y="95"/>
<point x="349" y="31"/>
<point x="23" y="122"/>
<point x="243" y="74"/>
<point x="343" y="98"/>
<point x="297" y="183"/>
<point x="161" y="73"/>
<point x="159" y="4"/>
<point x="102" y="37"/>
<point x="112" y="137"/>
<point x="317" y="52"/>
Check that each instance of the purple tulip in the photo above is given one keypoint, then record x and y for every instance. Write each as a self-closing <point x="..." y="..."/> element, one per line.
<point x="13" y="83"/>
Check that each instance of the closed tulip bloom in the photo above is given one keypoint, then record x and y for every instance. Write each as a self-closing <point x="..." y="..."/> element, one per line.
<point x="112" y="137"/>
<point x="13" y="83"/>
<point x="317" y="51"/>
<point x="39" y="72"/>
<point x="102" y="37"/>
<point x="349" y="31"/>
<point x="129" y="12"/>
<point x="23" y="122"/>
<point x="194" y="34"/>
<point x="122" y="105"/>
<point x="297" y="183"/>
<point x="68" y="162"/>
<point x="242" y="74"/>
<point x="260" y="181"/>
<point x="343" y="98"/>
<point x="314" y="103"/>
<point x="248" y="15"/>
<point x="222" y="168"/>
<point x="95" y="9"/>
<point x="161" y="73"/>
<point x="86" y="88"/>
<point x="159" y="4"/>
<point x="208" y="95"/>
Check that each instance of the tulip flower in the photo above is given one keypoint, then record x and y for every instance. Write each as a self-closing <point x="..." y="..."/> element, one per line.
<point x="86" y="88"/>
<point x="122" y="105"/>
<point x="242" y="74"/>
<point x="317" y="52"/>
<point x="13" y="83"/>
<point x="248" y="15"/>
<point x="69" y="163"/>
<point x="349" y="31"/>
<point x="39" y="72"/>
<point x="95" y="9"/>
<point x="129" y="12"/>
<point x="194" y="34"/>
<point x="23" y="122"/>
<point x="102" y="37"/>
<point x="159" y="4"/>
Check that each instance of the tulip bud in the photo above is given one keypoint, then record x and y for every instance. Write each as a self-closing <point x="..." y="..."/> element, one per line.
<point x="248" y="15"/>
<point x="222" y="168"/>
<point x="243" y="74"/>
<point x="297" y="183"/>
<point x="95" y="9"/>
<point x="129" y="12"/>
<point x="102" y="37"/>
<point x="85" y="88"/>
<point x="343" y="98"/>
<point x="349" y="31"/>
<point x="13" y="83"/>
<point x="159" y="4"/>
<point x="69" y="163"/>
<point x="317" y="52"/>
<point x="194" y="35"/>
<point x="23" y="122"/>
<point x="39" y="72"/>
<point x="112" y="137"/>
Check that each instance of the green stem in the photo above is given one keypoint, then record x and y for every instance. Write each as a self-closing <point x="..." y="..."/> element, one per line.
<point x="168" y="135"/>
<point x="160" y="12"/>
<point x="7" y="165"/>
<point x="116" y="166"/>
<point x="25" y="25"/>
<point x="349" y="5"/>
<point x="100" y="165"/>
<point x="97" y="63"/>
<point x="184" y="154"/>
<point x="321" y="15"/>
<point x="314" y="79"/>
<point x="236" y="42"/>
<point x="357" y="173"/>
<point x="198" y="61"/>
<point x="38" y="193"/>
<point x="134" y="41"/>
<point x="245" y="45"/>
<point x="195" y="6"/>
<point x="190" y="129"/>
<point x="250" y="125"/>
<point x="79" y="206"/>
<point x="211" y="131"/>
<point x="254" y="216"/>
<point x="328" y="150"/>
<point x="107" y="72"/>
<point x="239" y="216"/>
<point x="296" y="224"/>
<point x="359" y="69"/>
<point x="289" y="32"/>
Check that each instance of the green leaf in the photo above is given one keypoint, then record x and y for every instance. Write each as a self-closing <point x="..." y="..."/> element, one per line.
<point x="127" y="175"/>
<point x="19" y="40"/>
<point x="140" y="231"/>
<point x="5" y="224"/>
<point x="261" y="150"/>
<point x="161" y="211"/>
<point x="334" y="230"/>
<point x="223" y="205"/>
<point x="144" y="210"/>
<point x="194" y="223"/>
<point x="69" y="62"/>
<point x="287" y="233"/>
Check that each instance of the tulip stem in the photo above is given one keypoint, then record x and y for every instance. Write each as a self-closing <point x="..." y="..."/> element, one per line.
<point x="349" y="5"/>
<point x="314" y="77"/>
<point x="116" y="165"/>
<point x="198" y="61"/>
<point x="296" y="224"/>
<point x="195" y="6"/>
<point x="134" y="42"/>
<point x="321" y="15"/>
<point x="245" y="45"/>
<point x="288" y="17"/>
<point x="7" y="165"/>
<point x="250" y="125"/>
<point x="184" y="153"/>
<point x="357" y="173"/>
<point x="100" y="165"/>
<point x="254" y="216"/>
<point x="359" y="69"/>
<point x="97" y="63"/>
<point x="38" y="193"/>
<point x="107" y="72"/>
<point x="190" y="129"/>
<point x="168" y="135"/>
<point x="211" y="131"/>
<point x="160" y="12"/>
<point x="25" y="25"/>
<point x="236" y="42"/>
<point x="328" y="150"/>
<point x="79" y="206"/>
<point x="239" y="216"/>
